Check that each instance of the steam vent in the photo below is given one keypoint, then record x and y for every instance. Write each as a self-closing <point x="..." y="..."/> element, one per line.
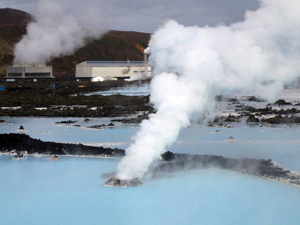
<point x="114" y="182"/>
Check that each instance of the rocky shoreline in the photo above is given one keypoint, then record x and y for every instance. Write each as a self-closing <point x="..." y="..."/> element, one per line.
<point x="262" y="168"/>
<point x="22" y="142"/>
<point x="170" y="163"/>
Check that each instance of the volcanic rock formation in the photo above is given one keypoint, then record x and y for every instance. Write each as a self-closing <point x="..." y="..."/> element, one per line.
<point x="114" y="182"/>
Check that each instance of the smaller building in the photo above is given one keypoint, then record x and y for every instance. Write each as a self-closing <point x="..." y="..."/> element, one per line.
<point x="29" y="71"/>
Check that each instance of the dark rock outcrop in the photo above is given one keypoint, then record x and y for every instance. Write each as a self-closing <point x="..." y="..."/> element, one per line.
<point x="67" y="122"/>
<point x="137" y="119"/>
<point x="282" y="102"/>
<point x="183" y="162"/>
<point x="171" y="162"/>
<point x="22" y="142"/>
<point x="255" y="99"/>
<point x="252" y="119"/>
<point x="232" y="119"/>
<point x="257" y="167"/>
<point x="279" y="119"/>
<point x="224" y="98"/>
<point x="222" y="121"/>
<point x="114" y="182"/>
<point x="102" y="126"/>
<point x="230" y="138"/>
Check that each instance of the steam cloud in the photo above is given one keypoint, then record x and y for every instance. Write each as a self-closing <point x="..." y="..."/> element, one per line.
<point x="192" y="64"/>
<point x="53" y="33"/>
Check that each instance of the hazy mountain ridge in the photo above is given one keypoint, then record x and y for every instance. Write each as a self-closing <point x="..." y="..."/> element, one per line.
<point x="114" y="45"/>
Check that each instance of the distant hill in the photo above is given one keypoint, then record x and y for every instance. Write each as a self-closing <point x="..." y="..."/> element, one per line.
<point x="14" y="17"/>
<point x="113" y="46"/>
<point x="12" y="27"/>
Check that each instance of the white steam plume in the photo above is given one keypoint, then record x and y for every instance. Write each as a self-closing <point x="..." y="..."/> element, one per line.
<point x="53" y="33"/>
<point x="192" y="64"/>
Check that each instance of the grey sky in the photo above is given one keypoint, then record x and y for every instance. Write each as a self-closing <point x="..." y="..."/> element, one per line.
<point x="146" y="16"/>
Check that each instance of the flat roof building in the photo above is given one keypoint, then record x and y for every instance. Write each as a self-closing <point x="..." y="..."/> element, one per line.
<point x="29" y="71"/>
<point x="111" y="69"/>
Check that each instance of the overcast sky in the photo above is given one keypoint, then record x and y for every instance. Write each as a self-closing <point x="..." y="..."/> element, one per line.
<point x="146" y="16"/>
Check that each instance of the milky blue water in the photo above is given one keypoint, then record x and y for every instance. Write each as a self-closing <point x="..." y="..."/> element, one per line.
<point x="71" y="191"/>
<point x="251" y="141"/>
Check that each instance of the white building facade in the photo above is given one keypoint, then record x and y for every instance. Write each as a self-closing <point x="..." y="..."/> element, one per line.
<point x="111" y="69"/>
<point x="29" y="71"/>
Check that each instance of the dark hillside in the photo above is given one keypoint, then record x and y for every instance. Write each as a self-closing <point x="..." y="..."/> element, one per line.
<point x="113" y="46"/>
<point x="12" y="27"/>
<point x="14" y="17"/>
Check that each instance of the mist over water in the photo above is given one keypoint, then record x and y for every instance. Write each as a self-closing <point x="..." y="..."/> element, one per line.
<point x="192" y="64"/>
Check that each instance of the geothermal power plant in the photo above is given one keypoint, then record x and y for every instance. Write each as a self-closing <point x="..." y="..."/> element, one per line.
<point x="89" y="69"/>
<point x="111" y="69"/>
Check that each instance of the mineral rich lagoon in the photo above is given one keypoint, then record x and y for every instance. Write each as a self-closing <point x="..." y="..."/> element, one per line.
<point x="37" y="190"/>
<point x="71" y="190"/>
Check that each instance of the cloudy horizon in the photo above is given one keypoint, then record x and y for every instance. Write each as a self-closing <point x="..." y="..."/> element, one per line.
<point x="146" y="16"/>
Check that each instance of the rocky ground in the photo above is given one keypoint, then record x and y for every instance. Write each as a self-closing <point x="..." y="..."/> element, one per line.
<point x="23" y="98"/>
<point x="69" y="100"/>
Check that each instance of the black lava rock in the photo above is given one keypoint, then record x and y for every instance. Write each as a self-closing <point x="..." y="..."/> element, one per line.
<point x="252" y="119"/>
<point x="22" y="142"/>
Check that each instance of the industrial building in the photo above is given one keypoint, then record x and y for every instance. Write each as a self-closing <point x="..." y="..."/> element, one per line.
<point x="29" y="71"/>
<point x="111" y="69"/>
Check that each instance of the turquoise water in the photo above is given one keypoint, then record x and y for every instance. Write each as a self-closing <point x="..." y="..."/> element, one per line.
<point x="71" y="190"/>
<point x="251" y="141"/>
<point x="46" y="130"/>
